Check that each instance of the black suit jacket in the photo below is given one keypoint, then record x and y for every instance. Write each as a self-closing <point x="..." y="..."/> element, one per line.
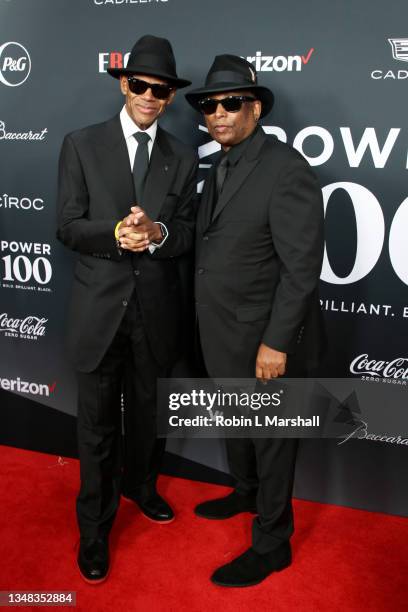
<point x="95" y="191"/>
<point x="258" y="261"/>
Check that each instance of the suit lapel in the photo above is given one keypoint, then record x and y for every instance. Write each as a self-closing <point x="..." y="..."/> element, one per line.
<point x="244" y="167"/>
<point x="115" y="167"/>
<point x="162" y="168"/>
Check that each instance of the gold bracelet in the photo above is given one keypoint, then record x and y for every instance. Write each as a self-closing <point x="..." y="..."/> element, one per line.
<point x="116" y="232"/>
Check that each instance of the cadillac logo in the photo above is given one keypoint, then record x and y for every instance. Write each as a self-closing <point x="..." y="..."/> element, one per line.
<point x="399" y="48"/>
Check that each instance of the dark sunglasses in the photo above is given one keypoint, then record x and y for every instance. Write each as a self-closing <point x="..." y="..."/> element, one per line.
<point x="232" y="104"/>
<point x="160" y="91"/>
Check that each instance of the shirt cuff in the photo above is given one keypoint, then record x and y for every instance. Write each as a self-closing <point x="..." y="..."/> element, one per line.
<point x="157" y="245"/>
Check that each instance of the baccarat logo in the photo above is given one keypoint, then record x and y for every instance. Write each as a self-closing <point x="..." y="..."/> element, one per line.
<point x="30" y="135"/>
<point x="399" y="50"/>
<point x="361" y="432"/>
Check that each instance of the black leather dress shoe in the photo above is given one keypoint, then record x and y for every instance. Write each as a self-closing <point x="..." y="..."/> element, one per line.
<point x="154" y="508"/>
<point x="251" y="568"/>
<point x="225" y="507"/>
<point x="93" y="559"/>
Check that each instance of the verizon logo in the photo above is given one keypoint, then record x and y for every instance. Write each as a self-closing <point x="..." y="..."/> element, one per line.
<point x="23" y="386"/>
<point x="280" y="63"/>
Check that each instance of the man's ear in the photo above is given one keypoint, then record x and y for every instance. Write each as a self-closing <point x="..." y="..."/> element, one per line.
<point x="124" y="86"/>
<point x="171" y="96"/>
<point x="257" y="107"/>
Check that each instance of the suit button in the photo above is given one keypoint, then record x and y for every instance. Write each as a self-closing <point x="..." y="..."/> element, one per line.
<point x="200" y="271"/>
<point x="124" y="302"/>
<point x="205" y="238"/>
<point x="136" y="272"/>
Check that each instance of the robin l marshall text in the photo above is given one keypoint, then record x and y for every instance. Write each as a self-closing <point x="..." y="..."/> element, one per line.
<point x="240" y="421"/>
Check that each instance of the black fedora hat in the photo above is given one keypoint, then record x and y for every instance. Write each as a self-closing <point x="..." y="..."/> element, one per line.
<point x="153" y="56"/>
<point x="232" y="73"/>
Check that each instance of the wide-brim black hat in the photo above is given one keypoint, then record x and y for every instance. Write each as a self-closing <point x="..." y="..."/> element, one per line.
<point x="232" y="73"/>
<point x="152" y="56"/>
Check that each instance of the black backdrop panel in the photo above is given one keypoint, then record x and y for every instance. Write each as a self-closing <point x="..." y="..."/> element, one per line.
<point x="340" y="75"/>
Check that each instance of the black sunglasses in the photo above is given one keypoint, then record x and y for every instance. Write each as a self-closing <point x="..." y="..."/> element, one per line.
<point x="232" y="104"/>
<point x="159" y="90"/>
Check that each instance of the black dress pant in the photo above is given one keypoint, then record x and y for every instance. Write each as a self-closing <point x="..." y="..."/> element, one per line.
<point x="110" y="462"/>
<point x="265" y="468"/>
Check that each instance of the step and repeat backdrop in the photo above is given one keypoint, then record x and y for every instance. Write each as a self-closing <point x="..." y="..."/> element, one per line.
<point x="340" y="76"/>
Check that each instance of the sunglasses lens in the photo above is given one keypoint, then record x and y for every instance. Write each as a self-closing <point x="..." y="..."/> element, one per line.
<point x="232" y="105"/>
<point x="138" y="87"/>
<point x="208" y="106"/>
<point x="161" y="92"/>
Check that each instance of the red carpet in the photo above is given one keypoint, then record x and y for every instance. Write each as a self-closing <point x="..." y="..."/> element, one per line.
<point x="344" y="560"/>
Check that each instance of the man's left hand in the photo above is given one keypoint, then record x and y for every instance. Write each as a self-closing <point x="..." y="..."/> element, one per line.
<point x="269" y="363"/>
<point x="139" y="231"/>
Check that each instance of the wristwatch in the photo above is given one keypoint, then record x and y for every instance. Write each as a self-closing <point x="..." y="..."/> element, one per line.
<point x="164" y="233"/>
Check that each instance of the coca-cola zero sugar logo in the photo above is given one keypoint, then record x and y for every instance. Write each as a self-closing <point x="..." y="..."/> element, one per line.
<point x="27" y="328"/>
<point x="394" y="371"/>
<point x="15" y="64"/>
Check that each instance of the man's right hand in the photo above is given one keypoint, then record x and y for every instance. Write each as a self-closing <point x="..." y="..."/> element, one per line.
<point x="270" y="363"/>
<point x="130" y="239"/>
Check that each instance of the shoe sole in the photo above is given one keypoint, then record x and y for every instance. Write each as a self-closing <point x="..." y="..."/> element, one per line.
<point x="166" y="522"/>
<point x="88" y="581"/>
<point x="253" y="583"/>
<point x="225" y="516"/>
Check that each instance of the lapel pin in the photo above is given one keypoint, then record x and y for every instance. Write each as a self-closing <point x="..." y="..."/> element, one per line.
<point x="166" y="168"/>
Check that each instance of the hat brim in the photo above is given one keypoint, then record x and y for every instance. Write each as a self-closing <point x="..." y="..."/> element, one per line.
<point x="263" y="94"/>
<point x="179" y="83"/>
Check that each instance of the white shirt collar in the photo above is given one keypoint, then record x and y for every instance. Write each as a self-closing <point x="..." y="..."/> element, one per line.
<point x="129" y="127"/>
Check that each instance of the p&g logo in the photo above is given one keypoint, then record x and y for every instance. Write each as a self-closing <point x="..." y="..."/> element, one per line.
<point x="15" y="64"/>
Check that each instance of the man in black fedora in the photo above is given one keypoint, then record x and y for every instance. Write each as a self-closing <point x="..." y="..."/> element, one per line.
<point x="126" y="206"/>
<point x="259" y="248"/>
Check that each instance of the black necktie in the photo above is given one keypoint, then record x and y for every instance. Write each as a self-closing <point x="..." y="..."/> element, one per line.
<point x="140" y="165"/>
<point x="221" y="174"/>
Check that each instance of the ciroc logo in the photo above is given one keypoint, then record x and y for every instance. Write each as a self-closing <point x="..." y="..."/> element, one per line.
<point x="15" y="64"/>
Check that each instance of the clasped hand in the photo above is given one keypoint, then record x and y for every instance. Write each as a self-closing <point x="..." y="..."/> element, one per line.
<point x="137" y="231"/>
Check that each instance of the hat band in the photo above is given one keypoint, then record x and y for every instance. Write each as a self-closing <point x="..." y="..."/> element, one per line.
<point x="154" y="61"/>
<point x="227" y="76"/>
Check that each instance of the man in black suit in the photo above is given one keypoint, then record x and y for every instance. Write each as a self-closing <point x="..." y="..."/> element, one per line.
<point x="126" y="205"/>
<point x="258" y="256"/>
